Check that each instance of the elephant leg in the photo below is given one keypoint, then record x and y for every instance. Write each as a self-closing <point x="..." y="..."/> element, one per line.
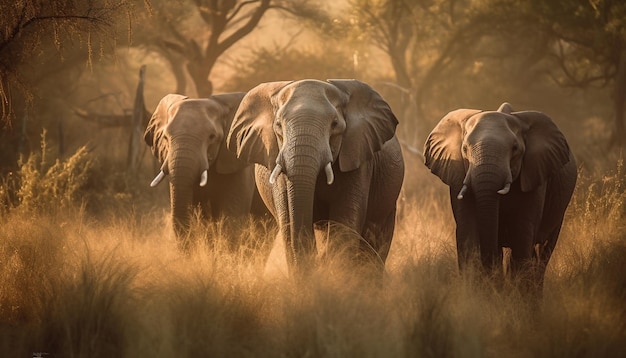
<point x="466" y="231"/>
<point x="558" y="194"/>
<point x="201" y="201"/>
<point x="515" y="241"/>
<point x="521" y="219"/>
<point x="521" y="244"/>
<point x="206" y="209"/>
<point x="542" y="252"/>
<point x="231" y="194"/>
<point x="379" y="236"/>
<point x="347" y="204"/>
<point x="226" y="200"/>
<point x="386" y="235"/>
<point x="546" y="242"/>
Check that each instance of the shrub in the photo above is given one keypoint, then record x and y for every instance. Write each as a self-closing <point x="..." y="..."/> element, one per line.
<point x="38" y="186"/>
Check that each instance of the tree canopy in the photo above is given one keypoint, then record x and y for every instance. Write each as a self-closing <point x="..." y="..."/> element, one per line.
<point x="425" y="56"/>
<point x="33" y="30"/>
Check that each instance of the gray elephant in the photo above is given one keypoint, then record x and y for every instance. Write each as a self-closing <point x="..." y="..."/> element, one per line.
<point x="324" y="151"/>
<point x="511" y="177"/>
<point x="187" y="136"/>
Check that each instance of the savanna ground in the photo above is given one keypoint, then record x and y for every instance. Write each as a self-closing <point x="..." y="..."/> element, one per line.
<point x="104" y="279"/>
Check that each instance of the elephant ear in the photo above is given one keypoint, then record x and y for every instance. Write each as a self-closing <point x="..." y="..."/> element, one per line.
<point x="251" y="135"/>
<point x="154" y="134"/>
<point x="546" y="149"/>
<point x="442" y="150"/>
<point x="369" y="124"/>
<point x="227" y="161"/>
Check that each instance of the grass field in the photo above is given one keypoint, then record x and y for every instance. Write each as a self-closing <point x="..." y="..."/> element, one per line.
<point x="114" y="285"/>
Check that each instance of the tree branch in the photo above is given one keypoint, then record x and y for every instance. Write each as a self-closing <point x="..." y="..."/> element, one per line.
<point x="238" y="8"/>
<point x="245" y="29"/>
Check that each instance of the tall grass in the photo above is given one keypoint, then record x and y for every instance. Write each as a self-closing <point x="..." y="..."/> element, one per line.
<point x="76" y="286"/>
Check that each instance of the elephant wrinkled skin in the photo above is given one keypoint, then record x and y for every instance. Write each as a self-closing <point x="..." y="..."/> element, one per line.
<point x="511" y="177"/>
<point x="187" y="136"/>
<point x="324" y="151"/>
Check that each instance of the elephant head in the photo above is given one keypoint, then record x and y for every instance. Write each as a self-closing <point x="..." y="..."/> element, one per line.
<point x="486" y="154"/>
<point x="300" y="129"/>
<point x="187" y="137"/>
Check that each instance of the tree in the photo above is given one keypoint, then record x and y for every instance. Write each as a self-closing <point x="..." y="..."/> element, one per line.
<point x="588" y="46"/>
<point x="191" y="36"/>
<point x="29" y="26"/>
<point x="446" y="53"/>
<point x="44" y="48"/>
<point x="287" y="63"/>
<point x="420" y="38"/>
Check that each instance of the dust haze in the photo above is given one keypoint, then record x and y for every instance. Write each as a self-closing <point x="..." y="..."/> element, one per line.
<point x="88" y="258"/>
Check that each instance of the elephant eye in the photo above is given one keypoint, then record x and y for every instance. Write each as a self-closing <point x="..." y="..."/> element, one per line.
<point x="337" y="125"/>
<point x="278" y="128"/>
<point x="211" y="136"/>
<point x="464" y="149"/>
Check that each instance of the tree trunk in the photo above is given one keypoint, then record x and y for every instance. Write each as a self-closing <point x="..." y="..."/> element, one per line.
<point x="619" y="102"/>
<point x="199" y="70"/>
<point x="178" y="70"/>
<point x="134" y="143"/>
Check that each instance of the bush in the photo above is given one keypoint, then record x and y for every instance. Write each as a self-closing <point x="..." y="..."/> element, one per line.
<point x="61" y="185"/>
<point x="81" y="181"/>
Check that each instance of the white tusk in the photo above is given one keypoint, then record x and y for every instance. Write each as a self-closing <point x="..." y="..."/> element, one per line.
<point x="275" y="173"/>
<point x="157" y="179"/>
<point x="505" y="190"/>
<point x="330" y="176"/>
<point x="204" y="177"/>
<point x="462" y="192"/>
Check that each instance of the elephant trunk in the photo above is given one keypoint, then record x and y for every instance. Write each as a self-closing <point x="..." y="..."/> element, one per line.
<point x="186" y="176"/>
<point x="303" y="162"/>
<point x="181" y="199"/>
<point x="485" y="183"/>
<point x="300" y="193"/>
<point x="181" y="196"/>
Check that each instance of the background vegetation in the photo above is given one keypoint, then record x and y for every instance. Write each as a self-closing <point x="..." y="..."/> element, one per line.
<point x="88" y="265"/>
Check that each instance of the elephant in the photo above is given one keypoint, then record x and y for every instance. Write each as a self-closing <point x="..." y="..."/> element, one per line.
<point x="187" y="136"/>
<point x="323" y="150"/>
<point x="511" y="176"/>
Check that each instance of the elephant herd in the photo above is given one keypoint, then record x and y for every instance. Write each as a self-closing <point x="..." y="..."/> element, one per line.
<point x="310" y="151"/>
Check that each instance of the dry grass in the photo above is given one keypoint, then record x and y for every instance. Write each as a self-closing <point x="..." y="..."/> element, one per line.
<point x="79" y="287"/>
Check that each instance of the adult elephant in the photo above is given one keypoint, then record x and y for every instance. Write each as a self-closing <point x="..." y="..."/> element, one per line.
<point x="511" y="177"/>
<point x="187" y="136"/>
<point x="324" y="151"/>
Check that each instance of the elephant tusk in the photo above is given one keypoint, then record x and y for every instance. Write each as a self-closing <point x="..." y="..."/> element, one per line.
<point x="204" y="177"/>
<point x="330" y="176"/>
<point x="462" y="192"/>
<point x="277" y="170"/>
<point x="505" y="190"/>
<point x="157" y="179"/>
